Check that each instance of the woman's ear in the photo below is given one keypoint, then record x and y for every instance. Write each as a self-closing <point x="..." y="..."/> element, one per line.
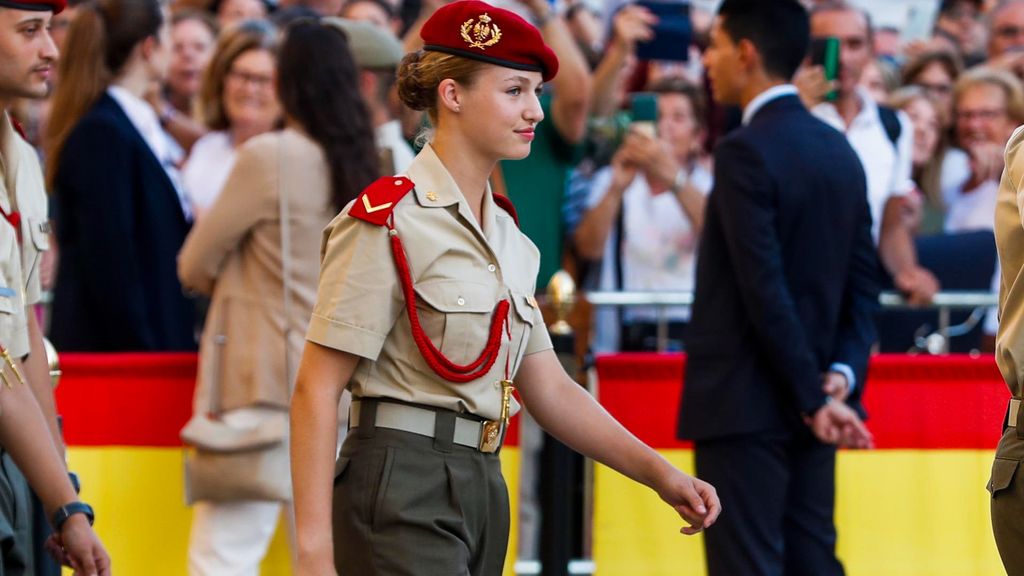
<point x="449" y="95"/>
<point x="147" y="47"/>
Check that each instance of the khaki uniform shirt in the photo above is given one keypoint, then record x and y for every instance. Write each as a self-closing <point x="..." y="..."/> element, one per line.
<point x="1009" y="231"/>
<point x="22" y="189"/>
<point x="460" y="272"/>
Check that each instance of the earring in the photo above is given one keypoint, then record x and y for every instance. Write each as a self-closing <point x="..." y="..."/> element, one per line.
<point x="458" y="108"/>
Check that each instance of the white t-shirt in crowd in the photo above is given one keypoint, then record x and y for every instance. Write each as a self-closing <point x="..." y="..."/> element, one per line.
<point x="659" y="251"/>
<point x="207" y="168"/>
<point x="887" y="167"/>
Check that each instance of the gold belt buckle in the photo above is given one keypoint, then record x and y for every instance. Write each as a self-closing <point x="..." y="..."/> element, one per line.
<point x="490" y="436"/>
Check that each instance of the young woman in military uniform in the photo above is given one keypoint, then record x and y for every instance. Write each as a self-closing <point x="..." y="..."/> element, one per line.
<point x="425" y="312"/>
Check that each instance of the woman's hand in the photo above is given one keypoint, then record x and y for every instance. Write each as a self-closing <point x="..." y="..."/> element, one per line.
<point x="653" y="156"/>
<point x="623" y="173"/>
<point x="693" y="499"/>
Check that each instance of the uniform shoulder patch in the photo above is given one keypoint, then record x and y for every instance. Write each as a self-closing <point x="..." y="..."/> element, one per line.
<point x="378" y="200"/>
<point x="505" y="204"/>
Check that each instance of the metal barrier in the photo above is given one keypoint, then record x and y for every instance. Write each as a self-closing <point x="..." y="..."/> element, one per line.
<point x="935" y="343"/>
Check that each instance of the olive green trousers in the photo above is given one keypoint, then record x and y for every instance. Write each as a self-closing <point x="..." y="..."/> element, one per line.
<point x="411" y="505"/>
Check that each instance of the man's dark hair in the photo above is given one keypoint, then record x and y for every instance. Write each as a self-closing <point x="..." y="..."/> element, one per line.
<point x="779" y="29"/>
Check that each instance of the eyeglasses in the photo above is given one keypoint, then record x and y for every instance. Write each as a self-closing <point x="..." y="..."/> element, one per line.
<point x="257" y="80"/>
<point x="936" y="90"/>
<point x="981" y="114"/>
<point x="1009" y="32"/>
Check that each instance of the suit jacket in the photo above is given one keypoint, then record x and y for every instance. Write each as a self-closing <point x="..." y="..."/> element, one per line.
<point x="785" y="276"/>
<point x="119" y="226"/>
<point x="234" y="253"/>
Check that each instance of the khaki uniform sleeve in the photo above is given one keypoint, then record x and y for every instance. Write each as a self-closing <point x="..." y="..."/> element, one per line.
<point x="250" y="195"/>
<point x="359" y="297"/>
<point x="539" y="340"/>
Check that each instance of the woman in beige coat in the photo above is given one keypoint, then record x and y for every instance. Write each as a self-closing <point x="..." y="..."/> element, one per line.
<point x="320" y="161"/>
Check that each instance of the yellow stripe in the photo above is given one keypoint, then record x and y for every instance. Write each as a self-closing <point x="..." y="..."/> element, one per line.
<point x="899" y="513"/>
<point x="142" y="518"/>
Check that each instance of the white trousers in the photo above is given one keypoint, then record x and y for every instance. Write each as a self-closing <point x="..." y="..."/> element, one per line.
<point x="231" y="538"/>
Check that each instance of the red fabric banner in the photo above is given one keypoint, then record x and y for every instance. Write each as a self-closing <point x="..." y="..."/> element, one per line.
<point x="133" y="399"/>
<point x="914" y="402"/>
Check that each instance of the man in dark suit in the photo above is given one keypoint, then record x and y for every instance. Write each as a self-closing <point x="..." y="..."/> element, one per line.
<point x="781" y="325"/>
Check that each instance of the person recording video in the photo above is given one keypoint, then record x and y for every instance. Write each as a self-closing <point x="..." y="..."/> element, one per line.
<point x="644" y="214"/>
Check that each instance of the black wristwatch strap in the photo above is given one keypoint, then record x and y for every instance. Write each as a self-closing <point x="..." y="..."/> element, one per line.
<point x="64" y="512"/>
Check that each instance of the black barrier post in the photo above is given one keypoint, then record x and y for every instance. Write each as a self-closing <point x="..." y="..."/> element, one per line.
<point x="561" y="494"/>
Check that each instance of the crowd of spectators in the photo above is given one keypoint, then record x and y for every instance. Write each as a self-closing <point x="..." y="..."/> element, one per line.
<point x="615" y="200"/>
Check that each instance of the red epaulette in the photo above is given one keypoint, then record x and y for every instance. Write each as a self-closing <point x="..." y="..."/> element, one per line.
<point x="505" y="204"/>
<point x="378" y="200"/>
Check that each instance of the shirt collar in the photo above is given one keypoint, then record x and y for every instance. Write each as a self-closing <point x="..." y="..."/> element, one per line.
<point x="143" y="118"/>
<point x="868" y="110"/>
<point x="435" y="188"/>
<point x="765" y="97"/>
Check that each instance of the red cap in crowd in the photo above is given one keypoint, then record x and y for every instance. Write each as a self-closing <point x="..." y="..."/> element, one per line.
<point x="57" y="6"/>
<point x="477" y="30"/>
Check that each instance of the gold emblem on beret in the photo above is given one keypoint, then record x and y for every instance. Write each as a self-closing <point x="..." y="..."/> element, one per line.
<point x="480" y="33"/>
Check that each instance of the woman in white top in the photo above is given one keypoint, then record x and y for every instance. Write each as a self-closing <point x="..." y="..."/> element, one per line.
<point x="237" y="102"/>
<point x="644" y="216"/>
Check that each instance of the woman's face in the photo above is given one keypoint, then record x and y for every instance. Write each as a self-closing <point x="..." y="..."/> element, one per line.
<point x="500" y="110"/>
<point x="677" y="124"/>
<point x="232" y="11"/>
<point x="871" y="79"/>
<point x="192" y="46"/>
<point x="937" y="82"/>
<point x="249" y="97"/>
<point x="925" y="119"/>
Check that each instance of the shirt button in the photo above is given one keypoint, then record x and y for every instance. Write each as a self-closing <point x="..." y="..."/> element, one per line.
<point x="491" y="268"/>
<point x="461" y="301"/>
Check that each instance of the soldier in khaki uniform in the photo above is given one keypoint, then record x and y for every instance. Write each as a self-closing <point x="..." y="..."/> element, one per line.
<point x="1006" y="486"/>
<point x="28" y="427"/>
<point x="426" y="313"/>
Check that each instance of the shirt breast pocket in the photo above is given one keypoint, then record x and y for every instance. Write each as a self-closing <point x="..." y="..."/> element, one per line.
<point x="456" y="316"/>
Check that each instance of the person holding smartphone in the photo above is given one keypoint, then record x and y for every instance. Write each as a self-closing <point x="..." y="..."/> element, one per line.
<point x="883" y="140"/>
<point x="644" y="216"/>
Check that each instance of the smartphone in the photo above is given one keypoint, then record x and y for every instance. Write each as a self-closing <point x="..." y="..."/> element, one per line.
<point x="672" y="34"/>
<point x="825" y="53"/>
<point x="644" y="113"/>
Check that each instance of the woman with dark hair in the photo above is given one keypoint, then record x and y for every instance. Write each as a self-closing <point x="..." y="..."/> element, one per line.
<point x="121" y="217"/>
<point x="421" y="273"/>
<point x="236" y="253"/>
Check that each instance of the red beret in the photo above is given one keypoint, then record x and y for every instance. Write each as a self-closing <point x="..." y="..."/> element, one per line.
<point x="57" y="6"/>
<point x="477" y="30"/>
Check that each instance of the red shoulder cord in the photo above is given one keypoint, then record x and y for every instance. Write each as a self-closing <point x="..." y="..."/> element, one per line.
<point x="440" y="364"/>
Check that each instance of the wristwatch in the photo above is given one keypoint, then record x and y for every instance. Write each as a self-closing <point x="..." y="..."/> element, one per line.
<point x="67" y="511"/>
